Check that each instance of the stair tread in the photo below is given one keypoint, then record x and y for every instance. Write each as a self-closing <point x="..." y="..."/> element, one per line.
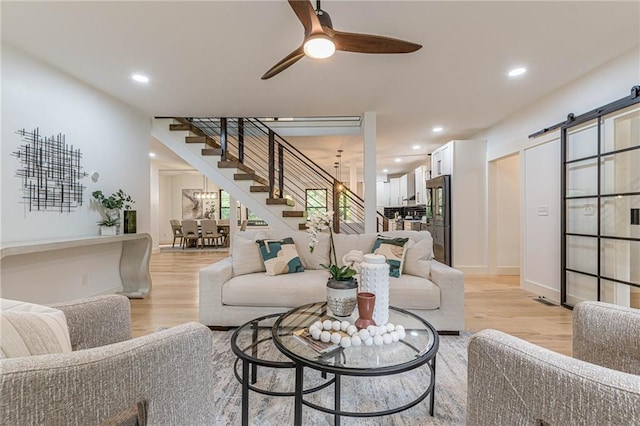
<point x="293" y="213"/>
<point x="235" y="164"/>
<point x="280" y="201"/>
<point x="259" y="188"/>
<point x="211" y="151"/>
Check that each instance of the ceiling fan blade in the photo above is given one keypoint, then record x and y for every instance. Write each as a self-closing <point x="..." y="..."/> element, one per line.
<point x="285" y="63"/>
<point x="365" y="43"/>
<point x="307" y="16"/>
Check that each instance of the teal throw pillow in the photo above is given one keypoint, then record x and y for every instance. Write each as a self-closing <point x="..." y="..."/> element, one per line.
<point x="280" y="256"/>
<point x="394" y="250"/>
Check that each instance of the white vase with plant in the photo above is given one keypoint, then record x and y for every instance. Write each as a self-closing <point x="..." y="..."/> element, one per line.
<point x="112" y="206"/>
<point x="342" y="287"/>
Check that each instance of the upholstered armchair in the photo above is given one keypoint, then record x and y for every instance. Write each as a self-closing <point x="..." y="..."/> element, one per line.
<point x="512" y="382"/>
<point x="165" y="376"/>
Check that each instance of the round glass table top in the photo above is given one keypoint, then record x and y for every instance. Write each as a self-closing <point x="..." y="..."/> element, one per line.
<point x="418" y="346"/>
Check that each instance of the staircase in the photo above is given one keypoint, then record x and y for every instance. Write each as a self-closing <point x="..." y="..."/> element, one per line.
<point x="261" y="170"/>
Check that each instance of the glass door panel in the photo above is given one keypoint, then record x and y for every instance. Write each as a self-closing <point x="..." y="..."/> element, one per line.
<point x="620" y="173"/>
<point x="582" y="216"/>
<point x="616" y="216"/>
<point x="621" y="129"/>
<point x="620" y="260"/>
<point x="582" y="178"/>
<point x="582" y="141"/>
<point x="581" y="287"/>
<point x="582" y="254"/>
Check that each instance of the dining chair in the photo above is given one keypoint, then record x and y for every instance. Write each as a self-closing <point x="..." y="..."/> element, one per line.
<point x="209" y="231"/>
<point x="243" y="225"/>
<point x="176" y="230"/>
<point x="190" y="231"/>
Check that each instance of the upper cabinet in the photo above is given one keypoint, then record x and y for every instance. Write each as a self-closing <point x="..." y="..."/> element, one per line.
<point x="421" y="177"/>
<point x="441" y="160"/>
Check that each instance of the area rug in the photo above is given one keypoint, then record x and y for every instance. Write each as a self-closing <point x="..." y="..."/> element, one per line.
<point x="358" y="394"/>
<point x="178" y="249"/>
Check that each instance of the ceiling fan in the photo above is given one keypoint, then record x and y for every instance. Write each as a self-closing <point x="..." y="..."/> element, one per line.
<point x="321" y="40"/>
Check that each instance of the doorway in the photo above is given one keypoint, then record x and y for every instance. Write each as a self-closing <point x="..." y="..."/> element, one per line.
<point x="504" y="215"/>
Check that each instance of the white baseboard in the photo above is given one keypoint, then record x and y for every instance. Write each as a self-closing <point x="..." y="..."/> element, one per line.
<point x="112" y="290"/>
<point x="541" y="290"/>
<point x="505" y="270"/>
<point x="473" y="270"/>
<point x="155" y="250"/>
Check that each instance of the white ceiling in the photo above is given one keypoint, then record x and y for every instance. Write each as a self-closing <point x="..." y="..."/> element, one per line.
<point x="206" y="59"/>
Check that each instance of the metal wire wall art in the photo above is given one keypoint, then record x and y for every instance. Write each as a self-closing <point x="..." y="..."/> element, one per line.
<point x="50" y="172"/>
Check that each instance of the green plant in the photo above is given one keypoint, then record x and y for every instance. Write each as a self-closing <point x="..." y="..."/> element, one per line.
<point x="109" y="222"/>
<point x="320" y="222"/>
<point x="117" y="201"/>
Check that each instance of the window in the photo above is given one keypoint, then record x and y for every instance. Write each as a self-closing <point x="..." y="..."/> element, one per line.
<point x="225" y="205"/>
<point x="254" y="219"/>
<point x="315" y="201"/>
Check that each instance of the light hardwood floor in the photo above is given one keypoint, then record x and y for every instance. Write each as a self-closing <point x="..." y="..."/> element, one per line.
<point x="490" y="302"/>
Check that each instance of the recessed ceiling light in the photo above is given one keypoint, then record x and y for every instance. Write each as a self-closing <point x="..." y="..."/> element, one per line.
<point x="152" y="154"/>
<point x="437" y="129"/>
<point x="398" y="160"/>
<point x="517" y="71"/>
<point x="385" y="170"/>
<point x="416" y="147"/>
<point x="140" y="78"/>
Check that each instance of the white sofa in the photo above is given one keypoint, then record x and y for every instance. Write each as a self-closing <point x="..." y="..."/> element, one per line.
<point x="236" y="289"/>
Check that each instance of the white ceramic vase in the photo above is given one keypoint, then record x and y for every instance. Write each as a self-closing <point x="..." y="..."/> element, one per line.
<point x="374" y="278"/>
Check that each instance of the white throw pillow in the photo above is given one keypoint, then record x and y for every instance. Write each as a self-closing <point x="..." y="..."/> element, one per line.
<point x="29" y="329"/>
<point x="416" y="252"/>
<point x="245" y="254"/>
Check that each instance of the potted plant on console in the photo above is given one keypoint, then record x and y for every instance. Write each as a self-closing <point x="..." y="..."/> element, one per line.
<point x="342" y="287"/>
<point x="112" y="206"/>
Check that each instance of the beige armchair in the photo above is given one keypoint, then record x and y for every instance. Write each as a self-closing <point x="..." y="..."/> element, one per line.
<point x="169" y="372"/>
<point x="512" y="382"/>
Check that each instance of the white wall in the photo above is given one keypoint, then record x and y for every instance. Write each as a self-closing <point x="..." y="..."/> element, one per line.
<point x="540" y="173"/>
<point x="114" y="140"/>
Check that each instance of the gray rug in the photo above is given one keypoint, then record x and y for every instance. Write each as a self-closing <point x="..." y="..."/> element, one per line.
<point x="367" y="394"/>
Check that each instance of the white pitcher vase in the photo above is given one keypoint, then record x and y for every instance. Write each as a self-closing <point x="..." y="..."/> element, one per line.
<point x="374" y="278"/>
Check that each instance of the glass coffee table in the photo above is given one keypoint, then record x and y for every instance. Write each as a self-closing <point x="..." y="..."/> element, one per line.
<point x="418" y="349"/>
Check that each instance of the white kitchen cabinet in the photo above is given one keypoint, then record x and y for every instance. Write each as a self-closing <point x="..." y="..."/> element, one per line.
<point x="395" y="197"/>
<point x="441" y="160"/>
<point x="382" y="194"/>
<point x="421" y="176"/>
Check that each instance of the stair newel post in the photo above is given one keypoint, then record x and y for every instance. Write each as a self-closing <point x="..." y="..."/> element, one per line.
<point x="280" y="170"/>
<point x="223" y="138"/>
<point x="336" y="206"/>
<point x="241" y="140"/>
<point x="272" y="163"/>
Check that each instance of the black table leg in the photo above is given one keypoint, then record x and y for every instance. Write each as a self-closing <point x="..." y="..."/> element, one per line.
<point x="433" y="391"/>
<point x="245" y="392"/>
<point x="297" y="417"/>
<point x="254" y="352"/>
<point x="336" y="396"/>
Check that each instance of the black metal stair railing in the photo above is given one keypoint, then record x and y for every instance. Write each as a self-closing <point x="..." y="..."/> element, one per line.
<point x="286" y="171"/>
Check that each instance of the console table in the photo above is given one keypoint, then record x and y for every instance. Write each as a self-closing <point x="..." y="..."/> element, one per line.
<point x="134" y="260"/>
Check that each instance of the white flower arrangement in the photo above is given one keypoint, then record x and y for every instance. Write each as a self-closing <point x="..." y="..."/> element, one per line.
<point x="320" y="222"/>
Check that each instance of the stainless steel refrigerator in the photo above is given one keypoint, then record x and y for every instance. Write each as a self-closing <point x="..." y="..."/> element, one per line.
<point x="438" y="212"/>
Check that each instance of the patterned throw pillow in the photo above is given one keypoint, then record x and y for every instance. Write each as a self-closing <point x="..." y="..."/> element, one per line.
<point x="394" y="250"/>
<point x="280" y="256"/>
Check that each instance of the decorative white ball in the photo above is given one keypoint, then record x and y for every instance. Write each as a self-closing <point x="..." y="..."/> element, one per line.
<point x="356" y="340"/>
<point x="399" y="328"/>
<point x="352" y="329"/>
<point x="346" y="342"/>
<point x="336" y="338"/>
<point x="344" y="325"/>
<point x="327" y="324"/>
<point x="315" y="333"/>
<point x="313" y="327"/>
<point x="395" y="336"/>
<point x="364" y="334"/>
<point x="336" y="325"/>
<point x="382" y="329"/>
<point x="402" y="334"/>
<point x="318" y="324"/>
<point x="373" y="330"/>
<point x="325" y="336"/>
<point x="390" y="327"/>
<point x="368" y="341"/>
<point x="387" y="339"/>
<point x="377" y="340"/>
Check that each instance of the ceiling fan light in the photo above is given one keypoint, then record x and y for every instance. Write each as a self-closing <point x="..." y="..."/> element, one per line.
<point x="319" y="47"/>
